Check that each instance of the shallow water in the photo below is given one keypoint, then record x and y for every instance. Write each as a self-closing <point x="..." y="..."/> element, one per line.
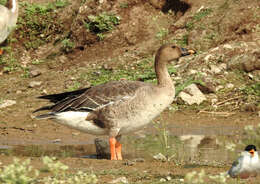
<point x="202" y="145"/>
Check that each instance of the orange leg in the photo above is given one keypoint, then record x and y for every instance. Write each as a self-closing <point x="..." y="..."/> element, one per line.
<point x="119" y="151"/>
<point x="112" y="143"/>
<point x="1" y="52"/>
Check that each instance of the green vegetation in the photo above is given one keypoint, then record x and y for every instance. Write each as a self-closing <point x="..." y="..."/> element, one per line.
<point x="67" y="45"/>
<point x="22" y="173"/>
<point x="190" y="80"/>
<point x="253" y="89"/>
<point x="102" y="23"/>
<point x="18" y="173"/>
<point x="76" y="85"/>
<point x="3" y="2"/>
<point x="124" y="5"/>
<point x="202" y="177"/>
<point x="8" y="60"/>
<point x="142" y="71"/>
<point x="183" y="41"/>
<point x="162" y="34"/>
<point x="197" y="17"/>
<point x="39" y="23"/>
<point x="251" y="135"/>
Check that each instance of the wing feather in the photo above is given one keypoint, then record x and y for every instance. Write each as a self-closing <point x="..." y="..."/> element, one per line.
<point x="236" y="167"/>
<point x="95" y="97"/>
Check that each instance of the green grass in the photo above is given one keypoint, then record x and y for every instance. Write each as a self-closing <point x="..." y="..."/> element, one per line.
<point x="3" y="2"/>
<point x="9" y="61"/>
<point x="252" y="89"/>
<point x="142" y="71"/>
<point x="124" y="5"/>
<point x="67" y="45"/>
<point x="183" y="41"/>
<point x="39" y="23"/>
<point x="197" y="17"/>
<point x="102" y="23"/>
<point x="76" y="85"/>
<point x="23" y="173"/>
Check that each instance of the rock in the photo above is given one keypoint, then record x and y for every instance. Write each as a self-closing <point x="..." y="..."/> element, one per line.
<point x="215" y="69"/>
<point x="102" y="149"/>
<point x="209" y="57"/>
<point x="247" y="62"/>
<point x="168" y="178"/>
<point x="7" y="103"/>
<point x="34" y="84"/>
<point x="219" y="87"/>
<point x="163" y="180"/>
<point x="230" y="85"/>
<point x="129" y="163"/>
<point x="75" y="133"/>
<point x="206" y="87"/>
<point x="192" y="95"/>
<point x="160" y="157"/>
<point x="158" y="4"/>
<point x="227" y="46"/>
<point x="119" y="180"/>
<point x="56" y="140"/>
<point x="35" y="73"/>
<point x="18" y="92"/>
<point x="138" y="160"/>
<point x="251" y="107"/>
<point x="223" y="66"/>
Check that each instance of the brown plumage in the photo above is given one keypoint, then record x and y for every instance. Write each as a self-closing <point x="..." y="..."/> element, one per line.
<point x="117" y="107"/>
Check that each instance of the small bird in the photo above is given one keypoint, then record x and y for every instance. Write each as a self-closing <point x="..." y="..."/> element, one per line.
<point x="247" y="164"/>
<point x="117" y="107"/>
<point x="8" y="19"/>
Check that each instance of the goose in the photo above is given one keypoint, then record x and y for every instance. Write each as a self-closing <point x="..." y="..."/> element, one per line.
<point x="117" y="107"/>
<point x="8" y="19"/>
<point x="247" y="164"/>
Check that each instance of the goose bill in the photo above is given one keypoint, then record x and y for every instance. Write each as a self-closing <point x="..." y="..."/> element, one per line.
<point x="185" y="52"/>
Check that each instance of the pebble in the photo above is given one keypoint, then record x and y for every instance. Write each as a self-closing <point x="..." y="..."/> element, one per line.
<point x="34" y="73"/>
<point x="230" y="85"/>
<point x="160" y="157"/>
<point x="7" y="103"/>
<point x="34" y="84"/>
<point x="120" y="180"/>
<point x="56" y="140"/>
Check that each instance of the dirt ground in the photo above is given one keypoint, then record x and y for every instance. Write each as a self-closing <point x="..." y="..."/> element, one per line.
<point x="134" y="38"/>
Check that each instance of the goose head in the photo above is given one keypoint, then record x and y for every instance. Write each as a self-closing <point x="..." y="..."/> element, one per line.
<point x="169" y="52"/>
<point x="165" y="54"/>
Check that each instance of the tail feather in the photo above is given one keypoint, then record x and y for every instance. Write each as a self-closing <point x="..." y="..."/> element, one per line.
<point x="61" y="96"/>
<point x="43" y="108"/>
<point x="46" y="116"/>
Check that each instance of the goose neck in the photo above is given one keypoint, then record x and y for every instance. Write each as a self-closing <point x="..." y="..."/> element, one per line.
<point x="162" y="74"/>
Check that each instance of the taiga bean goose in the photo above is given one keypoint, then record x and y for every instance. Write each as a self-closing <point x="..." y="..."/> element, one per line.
<point x="8" y="19"/>
<point x="117" y="107"/>
<point x="247" y="164"/>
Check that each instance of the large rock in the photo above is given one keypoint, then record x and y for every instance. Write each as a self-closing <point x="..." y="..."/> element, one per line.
<point x="247" y="62"/>
<point x="7" y="103"/>
<point x="192" y="95"/>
